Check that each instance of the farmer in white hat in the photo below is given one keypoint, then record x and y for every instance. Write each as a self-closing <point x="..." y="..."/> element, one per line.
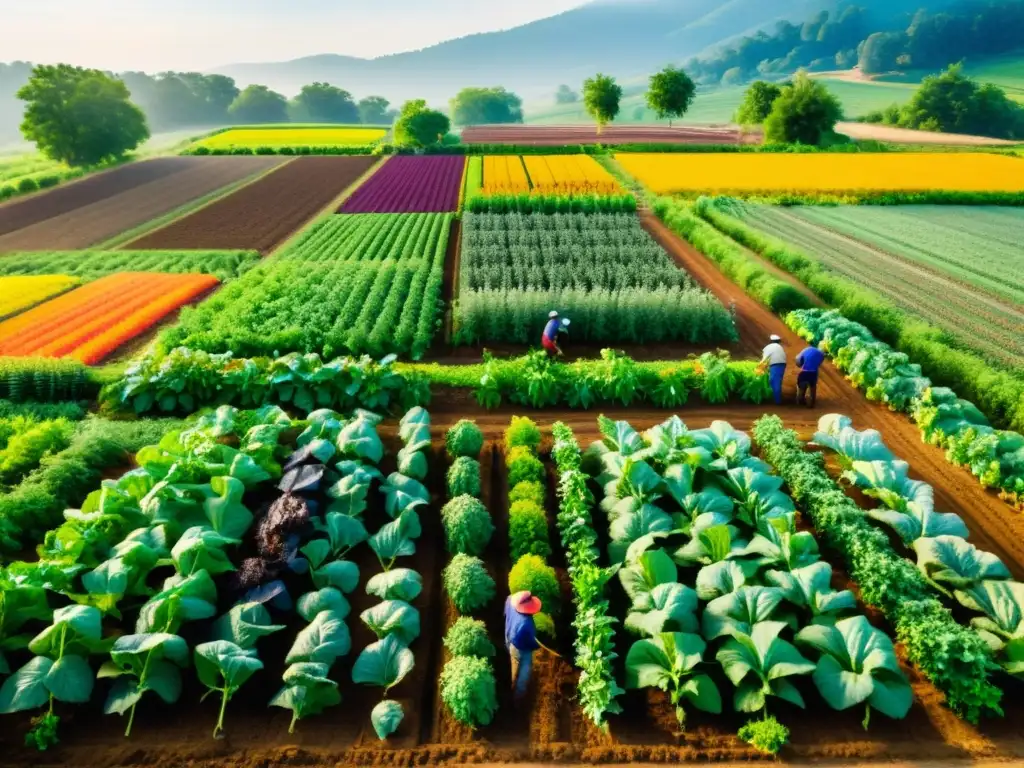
<point x="521" y="638"/>
<point x="549" y="339"/>
<point x="775" y="357"/>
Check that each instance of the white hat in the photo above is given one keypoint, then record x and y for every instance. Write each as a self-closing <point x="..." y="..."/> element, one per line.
<point x="773" y="337"/>
<point x="552" y="314"/>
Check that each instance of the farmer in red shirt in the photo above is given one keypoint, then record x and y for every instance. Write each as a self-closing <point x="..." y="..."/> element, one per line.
<point x="549" y="339"/>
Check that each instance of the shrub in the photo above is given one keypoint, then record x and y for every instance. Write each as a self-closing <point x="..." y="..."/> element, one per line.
<point x="464" y="439"/>
<point x="532" y="574"/>
<point x="529" y="490"/>
<point x="468" y="637"/>
<point x="523" y="467"/>
<point x="467" y="525"/>
<point x="768" y="735"/>
<point x="468" y="583"/>
<point x="28" y="185"/>
<point x="528" y="530"/>
<point x="469" y="691"/>
<point x="464" y="477"/>
<point x="522" y="432"/>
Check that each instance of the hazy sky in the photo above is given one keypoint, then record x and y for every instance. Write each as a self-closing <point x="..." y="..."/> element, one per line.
<point x="156" y="35"/>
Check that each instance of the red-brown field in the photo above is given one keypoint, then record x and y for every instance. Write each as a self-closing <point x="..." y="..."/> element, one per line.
<point x="98" y="221"/>
<point x="587" y="134"/>
<point x="263" y="214"/>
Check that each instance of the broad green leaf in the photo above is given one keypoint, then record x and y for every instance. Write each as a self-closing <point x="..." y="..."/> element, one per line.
<point x="164" y="679"/>
<point x="413" y="463"/>
<point x="954" y="563"/>
<point x="225" y="511"/>
<point x="629" y="527"/>
<point x="124" y="694"/>
<point x="342" y="574"/>
<point x="917" y="520"/>
<point x="397" y="538"/>
<point x="349" y="494"/>
<point x="359" y="440"/>
<point x="393" y="617"/>
<point x="26" y="688"/>
<point x="758" y="663"/>
<point x="316" y="551"/>
<point x="719" y="579"/>
<point x="78" y="627"/>
<point x="183" y="599"/>
<point x="396" y="584"/>
<point x="70" y="679"/>
<point x="384" y="663"/>
<point x="344" y="532"/>
<point x="652" y="568"/>
<point x="386" y="717"/>
<point x="668" y="661"/>
<point x="201" y="548"/>
<point x="131" y="652"/>
<point x="308" y="690"/>
<point x="1002" y="603"/>
<point x="402" y="493"/>
<point x="222" y="664"/>
<point x="668" y="608"/>
<point x="811" y="587"/>
<point x="324" y="641"/>
<point x="326" y="599"/>
<point x="739" y="611"/>
<point x="244" y="624"/>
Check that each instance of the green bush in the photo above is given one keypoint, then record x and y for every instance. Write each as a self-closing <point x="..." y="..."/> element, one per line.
<point x="523" y="467"/>
<point x="469" y="691"/>
<point x="464" y="477"/>
<point x="468" y="637"/>
<point x="468" y="583"/>
<point x="523" y="431"/>
<point x="28" y="184"/>
<point x="467" y="525"/>
<point x="528" y="530"/>
<point x="45" y="380"/>
<point x="25" y="450"/>
<point x="529" y="490"/>
<point x="464" y="439"/>
<point x="532" y="574"/>
<point x="768" y="735"/>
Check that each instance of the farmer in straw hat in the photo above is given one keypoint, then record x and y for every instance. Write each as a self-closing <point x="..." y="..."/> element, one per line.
<point x="774" y="356"/>
<point x="521" y="638"/>
<point x="549" y="338"/>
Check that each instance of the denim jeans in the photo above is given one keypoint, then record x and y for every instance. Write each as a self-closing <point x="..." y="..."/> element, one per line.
<point x="522" y="666"/>
<point x="775" y="376"/>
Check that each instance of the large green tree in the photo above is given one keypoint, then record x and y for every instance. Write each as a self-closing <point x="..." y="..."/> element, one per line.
<point x="602" y="97"/>
<point x="80" y="116"/>
<point x="483" y="106"/>
<point x="325" y="103"/>
<point x="373" y="110"/>
<point x="805" y="113"/>
<point x="259" y="104"/>
<point x="955" y="103"/>
<point x="670" y="93"/>
<point x="419" y="126"/>
<point x="757" y="103"/>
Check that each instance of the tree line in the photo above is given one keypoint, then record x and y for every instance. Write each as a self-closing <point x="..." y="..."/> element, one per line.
<point x="847" y="39"/>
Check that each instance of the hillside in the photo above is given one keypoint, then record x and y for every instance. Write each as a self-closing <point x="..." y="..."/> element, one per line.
<point x="622" y="38"/>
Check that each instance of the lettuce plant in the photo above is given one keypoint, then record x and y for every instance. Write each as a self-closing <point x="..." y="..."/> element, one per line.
<point x="224" y="668"/>
<point x="810" y="587"/>
<point x="758" y="665"/>
<point x="669" y="661"/>
<point x="740" y="611"/>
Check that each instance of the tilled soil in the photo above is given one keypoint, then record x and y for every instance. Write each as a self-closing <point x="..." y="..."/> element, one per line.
<point x="264" y="214"/>
<point x="99" y="221"/>
<point x="612" y="134"/>
<point x="66" y="198"/>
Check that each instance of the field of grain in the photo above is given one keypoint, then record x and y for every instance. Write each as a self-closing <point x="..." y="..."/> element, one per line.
<point x="293" y="137"/>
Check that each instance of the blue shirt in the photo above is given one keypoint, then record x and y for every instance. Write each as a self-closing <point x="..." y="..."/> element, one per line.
<point x="810" y="359"/>
<point x="519" y="629"/>
<point x="551" y="329"/>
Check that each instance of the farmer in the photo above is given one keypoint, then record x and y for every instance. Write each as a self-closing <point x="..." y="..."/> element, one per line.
<point x="775" y="357"/>
<point x="549" y="339"/>
<point x="810" y="361"/>
<point x="521" y="638"/>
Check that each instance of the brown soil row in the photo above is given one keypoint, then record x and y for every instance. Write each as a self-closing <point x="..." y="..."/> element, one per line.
<point x="66" y="198"/>
<point x="264" y="214"/>
<point x="612" y="134"/>
<point x="101" y="220"/>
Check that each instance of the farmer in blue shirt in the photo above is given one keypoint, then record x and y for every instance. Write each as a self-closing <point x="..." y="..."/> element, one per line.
<point x="521" y="638"/>
<point x="810" y="361"/>
<point x="549" y="339"/>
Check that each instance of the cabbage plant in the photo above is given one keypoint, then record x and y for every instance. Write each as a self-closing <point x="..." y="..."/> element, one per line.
<point x="669" y="661"/>
<point x="758" y="665"/>
<point x="951" y="563"/>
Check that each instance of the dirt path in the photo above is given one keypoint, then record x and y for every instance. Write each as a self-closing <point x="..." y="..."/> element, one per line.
<point x="865" y="131"/>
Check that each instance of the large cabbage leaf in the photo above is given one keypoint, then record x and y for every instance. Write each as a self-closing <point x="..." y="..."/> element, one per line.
<point x="669" y="662"/>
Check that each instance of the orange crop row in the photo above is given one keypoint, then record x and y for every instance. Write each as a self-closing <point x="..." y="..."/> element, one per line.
<point x="92" y="321"/>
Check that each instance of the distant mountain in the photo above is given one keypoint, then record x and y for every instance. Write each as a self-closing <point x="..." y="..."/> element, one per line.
<point x="625" y="38"/>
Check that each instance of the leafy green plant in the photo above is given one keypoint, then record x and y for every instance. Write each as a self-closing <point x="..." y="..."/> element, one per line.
<point x="469" y="691"/>
<point x="767" y="735"/>
<point x="396" y="584"/>
<point x="393" y="617"/>
<point x="468" y="637"/>
<point x="384" y="663"/>
<point x="464" y="438"/>
<point x="467" y="525"/>
<point x="386" y="717"/>
<point x="522" y="432"/>
<point x="523" y="467"/>
<point x="758" y="665"/>
<point x="224" y="668"/>
<point x="307" y="691"/>
<point x="464" y="477"/>
<point x="532" y="574"/>
<point x="951" y="563"/>
<point x="528" y="530"/>
<point x="669" y="661"/>
<point x="527" y="491"/>
<point x="468" y="583"/>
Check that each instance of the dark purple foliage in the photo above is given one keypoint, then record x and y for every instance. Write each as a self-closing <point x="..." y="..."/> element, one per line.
<point x="287" y="514"/>
<point x="410" y="184"/>
<point x="304" y="479"/>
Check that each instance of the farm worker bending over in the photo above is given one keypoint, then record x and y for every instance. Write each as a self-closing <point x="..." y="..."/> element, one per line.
<point x="810" y="361"/>
<point x="549" y="339"/>
<point x="521" y="638"/>
<point x="775" y="356"/>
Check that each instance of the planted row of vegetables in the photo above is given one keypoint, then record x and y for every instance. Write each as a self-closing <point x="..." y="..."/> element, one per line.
<point x="994" y="456"/>
<point x="176" y="542"/>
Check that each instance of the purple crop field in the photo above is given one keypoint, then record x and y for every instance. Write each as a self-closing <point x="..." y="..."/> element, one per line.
<point x="408" y="184"/>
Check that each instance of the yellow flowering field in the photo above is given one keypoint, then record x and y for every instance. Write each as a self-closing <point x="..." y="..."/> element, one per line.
<point x="838" y="173"/>
<point x="568" y="175"/>
<point x="504" y="174"/>
<point x="293" y="137"/>
<point x="21" y="292"/>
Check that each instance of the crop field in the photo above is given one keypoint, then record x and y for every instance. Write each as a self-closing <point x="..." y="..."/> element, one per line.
<point x="409" y="184"/>
<point x="18" y="293"/>
<point x="92" y="321"/>
<point x="355" y="283"/>
<point x="265" y="213"/>
<point x="612" y="134"/>
<point x="89" y="265"/>
<point x="293" y="137"/>
<point x="562" y="175"/>
<point x="98" y="221"/>
<point x="602" y="270"/>
<point x="843" y="173"/>
<point x="957" y="268"/>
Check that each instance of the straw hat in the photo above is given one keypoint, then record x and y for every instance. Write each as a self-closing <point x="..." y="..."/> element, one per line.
<point x="552" y="314"/>
<point x="526" y="603"/>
